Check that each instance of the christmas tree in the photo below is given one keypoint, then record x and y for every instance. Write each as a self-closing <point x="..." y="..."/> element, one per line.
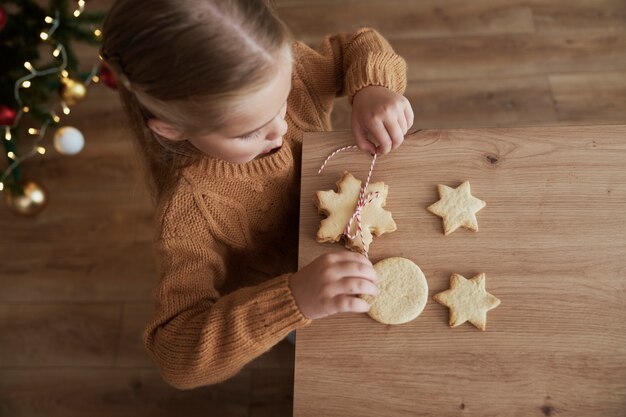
<point x="40" y="80"/>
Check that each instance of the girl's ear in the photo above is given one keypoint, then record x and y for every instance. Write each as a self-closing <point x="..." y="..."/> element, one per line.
<point x="165" y="129"/>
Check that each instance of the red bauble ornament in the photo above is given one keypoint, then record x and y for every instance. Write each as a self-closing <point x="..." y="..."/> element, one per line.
<point x="3" y="18"/>
<point x="107" y="76"/>
<point x="7" y="115"/>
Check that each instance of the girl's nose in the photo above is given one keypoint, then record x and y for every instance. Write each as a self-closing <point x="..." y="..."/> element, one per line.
<point x="278" y="128"/>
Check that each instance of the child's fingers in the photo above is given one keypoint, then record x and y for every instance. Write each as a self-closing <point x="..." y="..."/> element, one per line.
<point x="354" y="269"/>
<point x="361" y="139"/>
<point x="350" y="304"/>
<point x="382" y="137"/>
<point x="403" y="124"/>
<point x="355" y="285"/>
<point x="395" y="133"/>
<point x="348" y="256"/>
<point x="408" y="113"/>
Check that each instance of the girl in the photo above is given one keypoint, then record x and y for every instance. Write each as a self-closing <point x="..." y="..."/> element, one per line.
<point x="218" y="96"/>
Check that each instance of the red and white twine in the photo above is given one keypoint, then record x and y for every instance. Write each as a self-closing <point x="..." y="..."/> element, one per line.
<point x="361" y="202"/>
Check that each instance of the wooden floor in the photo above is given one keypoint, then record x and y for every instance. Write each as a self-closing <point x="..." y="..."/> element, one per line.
<point x="76" y="281"/>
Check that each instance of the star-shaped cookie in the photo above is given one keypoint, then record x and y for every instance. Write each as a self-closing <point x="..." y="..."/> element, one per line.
<point x="457" y="207"/>
<point x="339" y="207"/>
<point x="467" y="300"/>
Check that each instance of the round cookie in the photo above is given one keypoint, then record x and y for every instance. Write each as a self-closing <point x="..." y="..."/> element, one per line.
<point x="403" y="291"/>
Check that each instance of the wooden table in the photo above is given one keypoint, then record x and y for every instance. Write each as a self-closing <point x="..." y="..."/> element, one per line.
<point x="552" y="242"/>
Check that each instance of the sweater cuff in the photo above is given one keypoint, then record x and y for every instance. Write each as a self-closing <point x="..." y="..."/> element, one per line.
<point x="276" y="308"/>
<point x="383" y="69"/>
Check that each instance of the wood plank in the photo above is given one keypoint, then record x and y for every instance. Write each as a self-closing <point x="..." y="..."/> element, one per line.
<point x="401" y="19"/>
<point x="43" y="335"/>
<point x="271" y="393"/>
<point x="593" y="97"/>
<point x="63" y="270"/>
<point x="578" y="15"/>
<point x="130" y="350"/>
<point x="551" y="243"/>
<point x="115" y="392"/>
<point x="471" y="57"/>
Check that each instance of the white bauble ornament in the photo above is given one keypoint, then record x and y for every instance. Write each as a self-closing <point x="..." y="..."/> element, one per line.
<point x="68" y="140"/>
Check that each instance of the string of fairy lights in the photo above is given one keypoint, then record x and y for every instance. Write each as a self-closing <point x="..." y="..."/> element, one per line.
<point x="25" y="82"/>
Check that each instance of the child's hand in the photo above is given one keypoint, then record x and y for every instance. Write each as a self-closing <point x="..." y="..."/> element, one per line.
<point x="383" y="113"/>
<point x="329" y="284"/>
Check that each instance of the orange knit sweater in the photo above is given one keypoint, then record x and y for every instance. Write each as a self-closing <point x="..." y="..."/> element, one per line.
<point x="227" y="238"/>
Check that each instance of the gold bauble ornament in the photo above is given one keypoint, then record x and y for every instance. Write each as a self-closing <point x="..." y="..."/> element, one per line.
<point x="72" y="91"/>
<point x="27" y="199"/>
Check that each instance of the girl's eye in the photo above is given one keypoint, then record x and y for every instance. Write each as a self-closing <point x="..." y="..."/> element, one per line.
<point x="251" y="135"/>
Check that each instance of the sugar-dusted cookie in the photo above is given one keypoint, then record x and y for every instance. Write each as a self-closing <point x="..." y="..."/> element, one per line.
<point x="467" y="300"/>
<point x="403" y="292"/>
<point x="457" y="207"/>
<point x="339" y="207"/>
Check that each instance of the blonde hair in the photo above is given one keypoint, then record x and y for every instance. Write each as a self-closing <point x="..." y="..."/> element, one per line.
<point x="188" y="63"/>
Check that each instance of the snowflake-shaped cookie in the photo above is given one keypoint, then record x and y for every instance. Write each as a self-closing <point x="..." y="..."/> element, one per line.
<point x="340" y="206"/>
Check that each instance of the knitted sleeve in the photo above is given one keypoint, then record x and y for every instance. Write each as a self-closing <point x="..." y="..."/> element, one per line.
<point x="199" y="337"/>
<point x="345" y="63"/>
